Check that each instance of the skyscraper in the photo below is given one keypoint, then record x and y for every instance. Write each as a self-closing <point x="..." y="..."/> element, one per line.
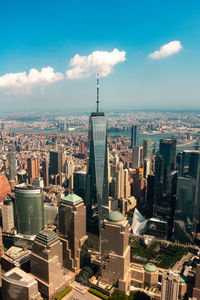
<point x="97" y="201"/>
<point x="33" y="168"/>
<point x="57" y="160"/>
<point x="46" y="263"/>
<point x="72" y="231"/>
<point x="147" y="149"/>
<point x="80" y="183"/>
<point x="189" y="163"/>
<point x="137" y="157"/>
<point x="135" y="132"/>
<point x="170" y="286"/>
<point x="165" y="183"/>
<point x="7" y="215"/>
<point x="11" y="164"/>
<point x="168" y="152"/>
<point x="29" y="209"/>
<point x="116" y="251"/>
<point x="196" y="290"/>
<point x="45" y="171"/>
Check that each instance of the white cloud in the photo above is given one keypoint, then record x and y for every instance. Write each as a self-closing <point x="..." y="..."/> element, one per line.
<point x="101" y="62"/>
<point x="23" y="83"/>
<point x="167" y="50"/>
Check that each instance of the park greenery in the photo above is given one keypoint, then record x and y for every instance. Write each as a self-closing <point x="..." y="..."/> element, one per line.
<point x="98" y="294"/>
<point x="162" y="254"/>
<point x="63" y="293"/>
<point x="134" y="295"/>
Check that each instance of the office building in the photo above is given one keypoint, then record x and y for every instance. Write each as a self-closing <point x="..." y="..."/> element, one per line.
<point x="80" y="184"/>
<point x="8" y="215"/>
<point x="150" y="195"/>
<point x="72" y="231"/>
<point x="127" y="186"/>
<point x="45" y="171"/>
<point x="189" y="163"/>
<point x="135" y="132"/>
<point x="38" y="182"/>
<point x="196" y="215"/>
<point x="119" y="194"/>
<point x="29" y="209"/>
<point x="1" y="245"/>
<point x="22" y="176"/>
<point x="137" y="157"/>
<point x="18" y="285"/>
<point x="97" y="183"/>
<point x="196" y="289"/>
<point x="170" y="286"/>
<point x="46" y="263"/>
<point x="168" y="152"/>
<point x="147" y="149"/>
<point x="115" y="252"/>
<point x="57" y="161"/>
<point x="69" y="167"/>
<point x="146" y="168"/>
<point x="50" y="214"/>
<point x="185" y="209"/>
<point x="33" y="168"/>
<point x="165" y="183"/>
<point x="11" y="164"/>
<point x="144" y="276"/>
<point x="16" y="257"/>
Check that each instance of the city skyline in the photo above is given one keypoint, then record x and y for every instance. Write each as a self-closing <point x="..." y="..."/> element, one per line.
<point x="51" y="62"/>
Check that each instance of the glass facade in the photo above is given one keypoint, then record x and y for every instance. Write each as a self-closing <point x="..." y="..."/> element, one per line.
<point x="29" y="210"/>
<point x="135" y="132"/>
<point x="165" y="182"/>
<point x="98" y="166"/>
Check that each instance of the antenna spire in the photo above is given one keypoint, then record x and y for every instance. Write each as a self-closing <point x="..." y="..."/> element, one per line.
<point x="97" y="92"/>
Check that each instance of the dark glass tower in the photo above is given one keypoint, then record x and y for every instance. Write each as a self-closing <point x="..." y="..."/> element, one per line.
<point x="97" y="200"/>
<point x="165" y="183"/>
<point x="135" y="132"/>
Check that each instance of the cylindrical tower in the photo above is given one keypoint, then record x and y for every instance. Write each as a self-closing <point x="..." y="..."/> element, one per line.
<point x="29" y="209"/>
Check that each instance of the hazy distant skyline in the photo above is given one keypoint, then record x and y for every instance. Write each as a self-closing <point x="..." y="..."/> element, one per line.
<point x="147" y="54"/>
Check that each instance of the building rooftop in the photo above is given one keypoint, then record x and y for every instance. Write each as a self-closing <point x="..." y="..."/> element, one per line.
<point x="115" y="216"/>
<point x="46" y="237"/>
<point x="19" y="276"/>
<point x="15" y="253"/>
<point x="167" y="141"/>
<point x="27" y="187"/>
<point x="71" y="199"/>
<point x="4" y="187"/>
<point x="97" y="114"/>
<point x="151" y="268"/>
<point x="21" y="172"/>
<point x="159" y="220"/>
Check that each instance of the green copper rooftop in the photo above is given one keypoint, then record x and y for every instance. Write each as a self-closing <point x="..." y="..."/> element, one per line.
<point x="115" y="216"/>
<point x="72" y="199"/>
<point x="151" y="268"/>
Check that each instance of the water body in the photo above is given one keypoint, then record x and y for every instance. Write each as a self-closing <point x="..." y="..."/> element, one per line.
<point x="154" y="137"/>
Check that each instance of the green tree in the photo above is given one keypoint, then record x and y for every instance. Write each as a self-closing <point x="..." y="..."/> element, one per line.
<point x="137" y="295"/>
<point x="118" y="296"/>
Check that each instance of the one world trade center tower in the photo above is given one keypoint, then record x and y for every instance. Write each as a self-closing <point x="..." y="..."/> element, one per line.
<point x="97" y="188"/>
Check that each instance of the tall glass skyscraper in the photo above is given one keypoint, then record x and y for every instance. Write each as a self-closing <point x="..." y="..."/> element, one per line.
<point x="97" y="200"/>
<point x="135" y="132"/>
<point x="165" y="183"/>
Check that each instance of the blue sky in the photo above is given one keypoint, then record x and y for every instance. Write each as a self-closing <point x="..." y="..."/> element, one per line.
<point x="40" y="34"/>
